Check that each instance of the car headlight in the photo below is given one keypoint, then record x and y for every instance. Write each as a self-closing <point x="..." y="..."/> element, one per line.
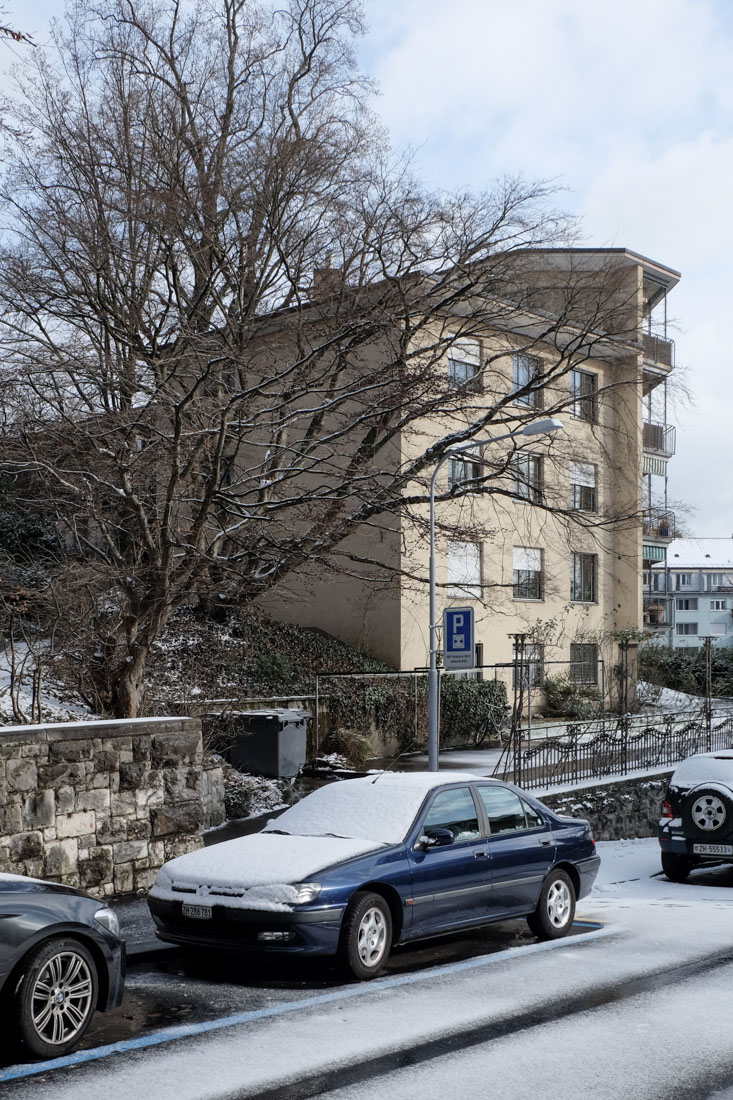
<point x="306" y="892"/>
<point x="108" y="919"/>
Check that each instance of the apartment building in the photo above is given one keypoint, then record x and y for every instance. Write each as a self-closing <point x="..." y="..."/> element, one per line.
<point x="693" y="591"/>
<point x="552" y="545"/>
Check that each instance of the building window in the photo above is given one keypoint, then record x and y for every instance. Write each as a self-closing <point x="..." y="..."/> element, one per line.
<point x="714" y="580"/>
<point x="584" y="663"/>
<point x="464" y="364"/>
<point x="717" y="605"/>
<point x="527" y="474"/>
<point x="584" y="392"/>
<point x="527" y="583"/>
<point x="583" y="486"/>
<point x="461" y="471"/>
<point x="687" y="604"/>
<point x="526" y="370"/>
<point x="686" y="628"/>
<point x="583" y="579"/>
<point x="717" y="628"/>
<point x="464" y="568"/>
<point x="534" y="665"/>
<point x="646" y="579"/>
<point x="683" y="580"/>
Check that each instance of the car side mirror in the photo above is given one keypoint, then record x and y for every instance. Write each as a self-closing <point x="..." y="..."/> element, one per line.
<point x="434" y="838"/>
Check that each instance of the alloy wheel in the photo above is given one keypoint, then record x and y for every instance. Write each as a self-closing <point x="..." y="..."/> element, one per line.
<point x="372" y="937"/>
<point x="62" y="998"/>
<point x="708" y="813"/>
<point x="558" y="903"/>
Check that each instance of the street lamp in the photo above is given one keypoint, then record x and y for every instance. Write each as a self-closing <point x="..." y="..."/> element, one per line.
<point x="535" y="427"/>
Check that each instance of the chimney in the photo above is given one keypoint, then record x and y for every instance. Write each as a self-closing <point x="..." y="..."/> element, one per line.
<point x="327" y="280"/>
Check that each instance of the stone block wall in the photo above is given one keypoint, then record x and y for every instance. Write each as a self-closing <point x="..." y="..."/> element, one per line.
<point x="622" y="810"/>
<point x="102" y="805"/>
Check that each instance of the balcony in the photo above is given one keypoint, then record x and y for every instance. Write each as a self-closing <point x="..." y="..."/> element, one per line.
<point x="660" y="439"/>
<point x="659" y="525"/>
<point x="656" y="612"/>
<point x="658" y="350"/>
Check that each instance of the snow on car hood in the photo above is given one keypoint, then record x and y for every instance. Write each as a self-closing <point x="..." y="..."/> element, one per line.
<point x="253" y="872"/>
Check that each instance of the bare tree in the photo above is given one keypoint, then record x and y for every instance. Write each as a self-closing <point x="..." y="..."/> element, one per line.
<point x="224" y="305"/>
<point x="13" y="33"/>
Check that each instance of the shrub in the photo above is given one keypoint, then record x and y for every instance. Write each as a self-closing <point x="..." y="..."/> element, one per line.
<point x="388" y="707"/>
<point x="251" y="795"/>
<point x="567" y="698"/>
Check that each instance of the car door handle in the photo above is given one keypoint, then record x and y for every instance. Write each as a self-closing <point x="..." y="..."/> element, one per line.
<point x="545" y="843"/>
<point x="479" y="855"/>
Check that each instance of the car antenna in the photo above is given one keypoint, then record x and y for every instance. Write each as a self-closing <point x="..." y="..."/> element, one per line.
<point x="392" y="763"/>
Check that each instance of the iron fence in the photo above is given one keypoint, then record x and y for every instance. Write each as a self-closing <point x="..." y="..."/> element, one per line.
<point x="600" y="748"/>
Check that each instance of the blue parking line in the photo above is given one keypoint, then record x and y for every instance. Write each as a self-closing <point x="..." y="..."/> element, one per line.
<point x="184" y="1031"/>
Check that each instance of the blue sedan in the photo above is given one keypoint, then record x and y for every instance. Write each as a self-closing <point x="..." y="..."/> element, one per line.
<point x="363" y="864"/>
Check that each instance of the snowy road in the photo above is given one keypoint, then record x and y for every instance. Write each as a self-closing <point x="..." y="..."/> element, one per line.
<point x="640" y="1009"/>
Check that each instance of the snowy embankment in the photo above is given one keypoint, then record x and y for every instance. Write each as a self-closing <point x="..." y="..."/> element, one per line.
<point x="27" y="688"/>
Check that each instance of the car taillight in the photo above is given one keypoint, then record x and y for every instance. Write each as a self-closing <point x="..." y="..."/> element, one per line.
<point x="667" y="810"/>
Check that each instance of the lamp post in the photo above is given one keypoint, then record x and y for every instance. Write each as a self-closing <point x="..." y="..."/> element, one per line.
<point x="535" y="427"/>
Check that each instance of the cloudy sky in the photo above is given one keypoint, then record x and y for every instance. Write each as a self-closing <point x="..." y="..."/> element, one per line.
<point x="628" y="105"/>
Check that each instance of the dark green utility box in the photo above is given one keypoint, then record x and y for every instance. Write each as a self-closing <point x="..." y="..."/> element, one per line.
<point x="268" y="742"/>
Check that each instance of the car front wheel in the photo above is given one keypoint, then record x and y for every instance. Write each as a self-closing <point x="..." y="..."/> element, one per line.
<point x="555" y="910"/>
<point x="55" y="998"/>
<point x="366" y="936"/>
<point x="676" y="868"/>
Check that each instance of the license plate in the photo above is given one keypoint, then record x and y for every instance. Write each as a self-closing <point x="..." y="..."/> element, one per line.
<point x="200" y="912"/>
<point x="713" y="849"/>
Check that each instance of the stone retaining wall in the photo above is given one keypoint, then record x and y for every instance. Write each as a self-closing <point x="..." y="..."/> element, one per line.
<point x="102" y="805"/>
<point x="624" y="809"/>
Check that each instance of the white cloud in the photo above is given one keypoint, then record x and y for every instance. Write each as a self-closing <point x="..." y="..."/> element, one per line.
<point x="629" y="104"/>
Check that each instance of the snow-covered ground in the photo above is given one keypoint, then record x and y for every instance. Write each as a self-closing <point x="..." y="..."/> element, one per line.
<point x="575" y="1019"/>
<point x="16" y="689"/>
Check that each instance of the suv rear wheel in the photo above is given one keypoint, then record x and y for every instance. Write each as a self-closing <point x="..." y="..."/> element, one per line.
<point x="676" y="868"/>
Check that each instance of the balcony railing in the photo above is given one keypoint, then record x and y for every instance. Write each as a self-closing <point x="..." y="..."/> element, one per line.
<point x="659" y="525"/>
<point x="660" y="439"/>
<point x="658" y="350"/>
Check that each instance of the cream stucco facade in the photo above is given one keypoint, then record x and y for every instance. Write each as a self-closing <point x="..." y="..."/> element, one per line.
<point x="552" y="547"/>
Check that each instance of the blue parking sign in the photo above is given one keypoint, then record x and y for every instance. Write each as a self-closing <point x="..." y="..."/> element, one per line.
<point x="458" y="648"/>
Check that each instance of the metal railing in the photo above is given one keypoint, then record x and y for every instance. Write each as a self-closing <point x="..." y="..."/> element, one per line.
<point x="599" y="748"/>
<point x="657" y="611"/>
<point x="660" y="439"/>
<point x="658" y="350"/>
<point x="659" y="524"/>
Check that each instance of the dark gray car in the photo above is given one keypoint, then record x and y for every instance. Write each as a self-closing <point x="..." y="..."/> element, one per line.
<point x="61" y="959"/>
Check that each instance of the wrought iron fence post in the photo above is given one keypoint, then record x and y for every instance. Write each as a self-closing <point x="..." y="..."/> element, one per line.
<point x="315" y="727"/>
<point x="518" y="647"/>
<point x="708" y="651"/>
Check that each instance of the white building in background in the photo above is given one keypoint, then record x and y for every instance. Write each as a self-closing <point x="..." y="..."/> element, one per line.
<point x="693" y="593"/>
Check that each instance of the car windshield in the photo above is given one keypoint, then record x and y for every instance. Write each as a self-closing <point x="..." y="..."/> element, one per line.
<point x="381" y="810"/>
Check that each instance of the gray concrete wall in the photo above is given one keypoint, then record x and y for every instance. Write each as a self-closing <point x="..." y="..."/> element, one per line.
<point x="102" y="805"/>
